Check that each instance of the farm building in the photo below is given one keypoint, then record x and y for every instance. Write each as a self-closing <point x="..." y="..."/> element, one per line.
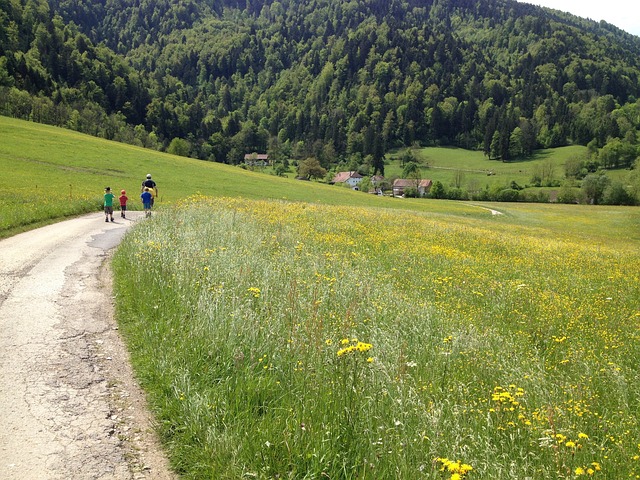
<point x="400" y="184"/>
<point x="256" y="159"/>
<point x="352" y="179"/>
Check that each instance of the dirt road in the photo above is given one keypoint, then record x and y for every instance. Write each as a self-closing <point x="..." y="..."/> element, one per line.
<point x="69" y="405"/>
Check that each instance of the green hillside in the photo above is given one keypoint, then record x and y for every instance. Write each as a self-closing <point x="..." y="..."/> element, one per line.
<point x="58" y="164"/>
<point x="441" y="163"/>
<point x="51" y="172"/>
<point x="343" y="82"/>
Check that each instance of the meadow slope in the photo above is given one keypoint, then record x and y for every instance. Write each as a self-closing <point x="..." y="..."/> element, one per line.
<point x="285" y="339"/>
<point x="293" y="329"/>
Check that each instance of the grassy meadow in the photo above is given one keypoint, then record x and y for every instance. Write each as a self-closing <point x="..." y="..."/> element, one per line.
<point x="444" y="163"/>
<point x="291" y="340"/>
<point x="50" y="173"/>
<point x="287" y="329"/>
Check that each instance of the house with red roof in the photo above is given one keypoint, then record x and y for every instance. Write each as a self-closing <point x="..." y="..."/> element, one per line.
<point x="352" y="179"/>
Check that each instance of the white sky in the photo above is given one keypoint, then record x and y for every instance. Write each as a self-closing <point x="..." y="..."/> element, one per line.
<point x="624" y="14"/>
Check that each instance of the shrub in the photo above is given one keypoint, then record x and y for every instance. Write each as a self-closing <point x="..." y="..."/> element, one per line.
<point x="616" y="194"/>
<point x="457" y="194"/>
<point x="437" y="190"/>
<point x="508" y="195"/>
<point x="568" y="195"/>
<point x="411" y="192"/>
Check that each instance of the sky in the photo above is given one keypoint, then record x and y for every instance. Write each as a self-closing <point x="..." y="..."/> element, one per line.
<point x="624" y="14"/>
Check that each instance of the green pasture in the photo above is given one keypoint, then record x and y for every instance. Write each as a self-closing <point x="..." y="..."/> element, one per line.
<point x="444" y="164"/>
<point x="49" y="173"/>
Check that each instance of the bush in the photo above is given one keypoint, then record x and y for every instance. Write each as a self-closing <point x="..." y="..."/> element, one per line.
<point x="438" y="190"/>
<point x="533" y="196"/>
<point x="457" y="194"/>
<point x="616" y="194"/>
<point x="481" y="196"/>
<point x="567" y="195"/>
<point x="508" y="195"/>
<point x="411" y="192"/>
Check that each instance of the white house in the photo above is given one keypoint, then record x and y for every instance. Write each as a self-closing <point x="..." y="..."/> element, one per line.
<point x="352" y="179"/>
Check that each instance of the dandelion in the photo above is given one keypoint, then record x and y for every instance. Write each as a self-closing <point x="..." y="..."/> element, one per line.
<point x="356" y="346"/>
<point x="457" y="469"/>
<point x="342" y="351"/>
<point x="254" y="292"/>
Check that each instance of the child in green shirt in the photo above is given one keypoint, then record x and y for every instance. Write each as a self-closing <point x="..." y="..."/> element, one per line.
<point x="108" y="204"/>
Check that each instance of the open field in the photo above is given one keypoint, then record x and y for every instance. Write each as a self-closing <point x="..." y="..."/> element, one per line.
<point x="472" y="171"/>
<point x="444" y="162"/>
<point x="50" y="173"/>
<point x="288" y="329"/>
<point x="289" y="340"/>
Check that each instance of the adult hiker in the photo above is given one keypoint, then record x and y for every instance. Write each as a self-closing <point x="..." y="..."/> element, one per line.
<point x="151" y="185"/>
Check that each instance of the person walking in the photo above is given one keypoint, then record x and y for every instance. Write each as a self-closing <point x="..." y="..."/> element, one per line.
<point x="108" y="204"/>
<point x="151" y="185"/>
<point x="123" y="203"/>
<point x="147" y="199"/>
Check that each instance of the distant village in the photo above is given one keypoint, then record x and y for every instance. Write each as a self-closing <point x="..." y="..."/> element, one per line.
<point x="399" y="185"/>
<point x="353" y="179"/>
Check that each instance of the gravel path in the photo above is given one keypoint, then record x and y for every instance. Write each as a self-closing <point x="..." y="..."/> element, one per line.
<point x="70" y="407"/>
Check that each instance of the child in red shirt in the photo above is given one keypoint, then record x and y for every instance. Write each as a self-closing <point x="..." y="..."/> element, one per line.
<point x="123" y="203"/>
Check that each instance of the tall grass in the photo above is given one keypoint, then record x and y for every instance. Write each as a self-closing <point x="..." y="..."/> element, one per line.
<point x="290" y="340"/>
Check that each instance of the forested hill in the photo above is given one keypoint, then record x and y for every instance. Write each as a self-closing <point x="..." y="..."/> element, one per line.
<point x="332" y="79"/>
